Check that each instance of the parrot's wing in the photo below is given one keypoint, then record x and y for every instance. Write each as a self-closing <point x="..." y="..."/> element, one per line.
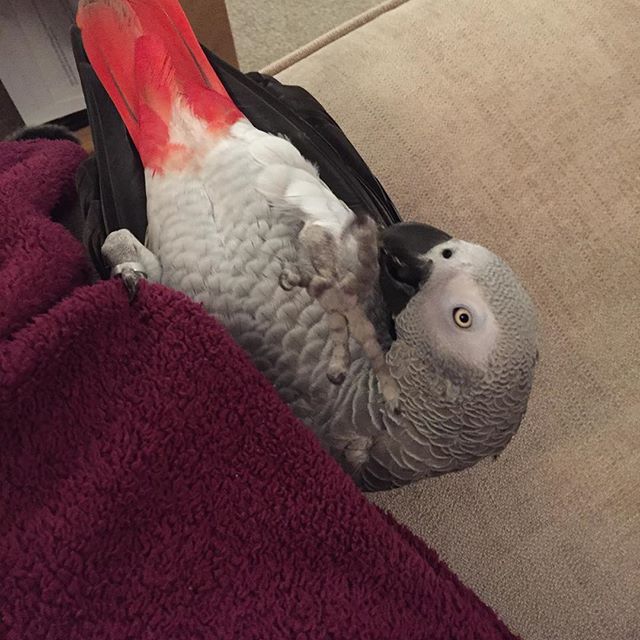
<point x="112" y="187"/>
<point x="293" y="112"/>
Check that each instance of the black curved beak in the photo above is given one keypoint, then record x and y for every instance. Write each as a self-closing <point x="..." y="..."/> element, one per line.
<point x="403" y="266"/>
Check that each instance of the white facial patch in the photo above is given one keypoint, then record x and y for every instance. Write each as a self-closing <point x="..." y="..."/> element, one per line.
<point x="456" y="314"/>
<point x="460" y="254"/>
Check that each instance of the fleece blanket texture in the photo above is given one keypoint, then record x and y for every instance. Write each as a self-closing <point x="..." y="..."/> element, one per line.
<point x="153" y="485"/>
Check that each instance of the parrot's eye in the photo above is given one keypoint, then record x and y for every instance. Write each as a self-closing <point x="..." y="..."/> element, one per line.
<point x="462" y="317"/>
<point x="447" y="253"/>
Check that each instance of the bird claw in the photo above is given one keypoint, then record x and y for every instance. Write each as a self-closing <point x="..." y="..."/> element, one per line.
<point x="285" y="283"/>
<point x="289" y="279"/>
<point x="130" y="273"/>
<point x="390" y="392"/>
<point x="394" y="406"/>
<point x="130" y="280"/>
<point x="336" y="377"/>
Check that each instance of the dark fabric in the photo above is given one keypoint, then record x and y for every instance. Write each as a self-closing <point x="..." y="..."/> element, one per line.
<point x="111" y="185"/>
<point x="47" y="131"/>
<point x="112" y="190"/>
<point x="152" y="484"/>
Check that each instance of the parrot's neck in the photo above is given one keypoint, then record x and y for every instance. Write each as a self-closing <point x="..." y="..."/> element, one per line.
<point x="446" y="423"/>
<point x="390" y="449"/>
<point x="366" y="435"/>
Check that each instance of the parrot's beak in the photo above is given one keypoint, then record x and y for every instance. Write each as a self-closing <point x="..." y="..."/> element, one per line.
<point x="403" y="265"/>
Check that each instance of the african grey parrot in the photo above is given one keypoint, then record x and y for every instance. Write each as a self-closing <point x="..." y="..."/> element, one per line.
<point x="242" y="223"/>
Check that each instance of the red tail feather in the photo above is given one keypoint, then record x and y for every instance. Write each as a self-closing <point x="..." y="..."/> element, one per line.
<point x="148" y="58"/>
<point x="109" y="33"/>
<point x="167" y="19"/>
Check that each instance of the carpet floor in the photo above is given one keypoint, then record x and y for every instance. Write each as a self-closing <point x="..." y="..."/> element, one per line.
<point x="268" y="30"/>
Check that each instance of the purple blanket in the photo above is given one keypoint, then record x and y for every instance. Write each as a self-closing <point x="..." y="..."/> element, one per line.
<point x="152" y="483"/>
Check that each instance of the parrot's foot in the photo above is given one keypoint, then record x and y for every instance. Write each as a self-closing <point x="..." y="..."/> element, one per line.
<point x="340" y="290"/>
<point x="291" y="278"/>
<point x="130" y="260"/>
<point x="336" y="297"/>
<point x="364" y="332"/>
<point x="390" y="392"/>
<point x="340" y="356"/>
<point x="130" y="273"/>
<point x="326" y="288"/>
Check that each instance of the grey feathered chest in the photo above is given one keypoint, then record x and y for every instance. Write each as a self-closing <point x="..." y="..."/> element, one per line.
<point x="229" y="255"/>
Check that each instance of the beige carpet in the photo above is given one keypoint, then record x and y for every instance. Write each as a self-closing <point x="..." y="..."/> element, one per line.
<point x="517" y="124"/>
<point x="269" y="29"/>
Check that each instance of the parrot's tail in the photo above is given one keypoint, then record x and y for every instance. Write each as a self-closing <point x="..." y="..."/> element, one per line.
<point x="151" y="65"/>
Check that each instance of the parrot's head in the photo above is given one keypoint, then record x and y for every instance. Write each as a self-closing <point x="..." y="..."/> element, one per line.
<point x="465" y="339"/>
